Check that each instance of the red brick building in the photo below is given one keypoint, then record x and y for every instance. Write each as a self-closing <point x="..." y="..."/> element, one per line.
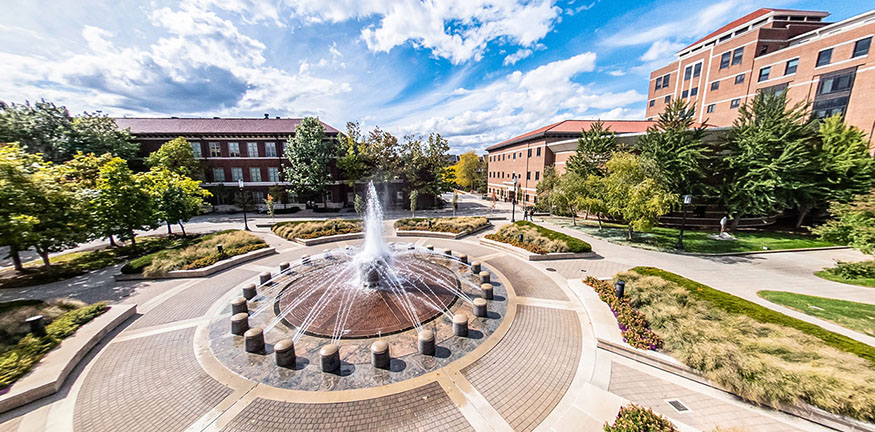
<point x="826" y="64"/>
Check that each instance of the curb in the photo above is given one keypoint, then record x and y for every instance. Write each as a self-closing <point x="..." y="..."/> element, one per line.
<point x="329" y="239"/>
<point x="535" y="257"/>
<point x="47" y="376"/>
<point x="203" y="272"/>
<point x="441" y="234"/>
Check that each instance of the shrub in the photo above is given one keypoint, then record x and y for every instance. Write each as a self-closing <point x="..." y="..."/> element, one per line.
<point x="234" y="242"/>
<point x="308" y="229"/>
<point x="751" y="352"/>
<point x="854" y="270"/>
<point x="16" y="361"/>
<point x="634" y="418"/>
<point x="453" y="225"/>
<point x="633" y="324"/>
<point x="13" y="314"/>
<point x="537" y="239"/>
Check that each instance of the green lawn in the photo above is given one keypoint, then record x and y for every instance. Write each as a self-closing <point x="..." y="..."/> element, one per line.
<point x="665" y="239"/>
<point x="855" y="316"/>
<point x="866" y="282"/>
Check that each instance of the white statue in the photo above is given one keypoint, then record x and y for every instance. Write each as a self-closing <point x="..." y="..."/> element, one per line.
<point x="723" y="224"/>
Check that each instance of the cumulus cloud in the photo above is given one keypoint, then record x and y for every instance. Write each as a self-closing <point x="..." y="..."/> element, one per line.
<point x="517" y="56"/>
<point x="660" y="50"/>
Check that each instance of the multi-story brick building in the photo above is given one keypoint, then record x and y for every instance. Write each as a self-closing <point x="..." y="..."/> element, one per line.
<point x="826" y="64"/>
<point x="525" y="157"/>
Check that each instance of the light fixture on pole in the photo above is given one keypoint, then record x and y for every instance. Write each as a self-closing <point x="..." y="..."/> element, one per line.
<point x="687" y="200"/>
<point x="513" y="200"/>
<point x="243" y="203"/>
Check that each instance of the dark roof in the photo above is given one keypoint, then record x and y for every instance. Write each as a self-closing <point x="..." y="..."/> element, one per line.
<point x="183" y="126"/>
<point x="575" y="127"/>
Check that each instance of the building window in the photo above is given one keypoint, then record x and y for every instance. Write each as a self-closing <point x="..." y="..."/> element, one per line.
<point x="739" y="79"/>
<point x="764" y="73"/>
<point x="724" y="60"/>
<point x="236" y="174"/>
<point x="737" y="56"/>
<point x="710" y="109"/>
<point x="734" y="103"/>
<point x="694" y="91"/>
<point x="270" y="149"/>
<point x="273" y="175"/>
<point x="258" y="197"/>
<point x="215" y="150"/>
<point x="715" y="85"/>
<point x="538" y="151"/>
<point x="196" y="150"/>
<point x="697" y="70"/>
<point x="652" y="102"/>
<point x="839" y="82"/>
<point x="688" y="72"/>
<point x="252" y="149"/>
<point x="537" y="175"/>
<point x="665" y="80"/>
<point x="791" y="66"/>
<point x="684" y="94"/>
<point x="861" y="47"/>
<point x="233" y="149"/>
<point x="668" y="99"/>
<point x="528" y="175"/>
<point x="775" y="89"/>
<point x="255" y="174"/>
<point x="830" y="107"/>
<point x="529" y="153"/>
<point x="658" y="83"/>
<point x="824" y="57"/>
<point x="218" y="175"/>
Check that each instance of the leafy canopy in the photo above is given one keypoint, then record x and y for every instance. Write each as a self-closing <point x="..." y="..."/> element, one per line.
<point x="594" y="148"/>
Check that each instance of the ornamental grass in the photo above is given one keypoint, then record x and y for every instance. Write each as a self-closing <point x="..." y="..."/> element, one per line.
<point x="453" y="225"/>
<point x="310" y="229"/>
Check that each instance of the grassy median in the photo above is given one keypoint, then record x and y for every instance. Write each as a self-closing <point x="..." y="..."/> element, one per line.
<point x="852" y="315"/>
<point x="310" y="229"/>
<point x="537" y="239"/>
<point x="453" y="225"/>
<point x="197" y="253"/>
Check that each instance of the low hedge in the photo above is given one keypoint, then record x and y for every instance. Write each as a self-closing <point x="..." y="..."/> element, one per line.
<point x="16" y="361"/>
<point x="453" y="225"/>
<point x="737" y="305"/>
<point x="635" y="418"/>
<point x="633" y="324"/>
<point x="310" y="229"/>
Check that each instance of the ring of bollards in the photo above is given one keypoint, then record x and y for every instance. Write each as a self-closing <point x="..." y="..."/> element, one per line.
<point x="285" y="353"/>
<point x="239" y="323"/>
<point x="239" y="305"/>
<point x="329" y="357"/>
<point x="463" y="258"/>
<point x="486" y="291"/>
<point x="254" y="340"/>
<point x="480" y="307"/>
<point x="475" y="267"/>
<point x="484" y="277"/>
<point x="380" y="354"/>
<point x="425" y="342"/>
<point x="263" y="278"/>
<point x="249" y="291"/>
<point x="460" y="325"/>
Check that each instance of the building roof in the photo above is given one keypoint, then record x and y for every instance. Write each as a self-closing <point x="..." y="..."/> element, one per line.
<point x="747" y="18"/>
<point x="237" y="126"/>
<point x="575" y="127"/>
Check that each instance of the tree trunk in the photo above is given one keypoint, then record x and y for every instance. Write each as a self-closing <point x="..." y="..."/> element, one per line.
<point x="45" y="256"/>
<point x="598" y="216"/>
<point x="112" y="241"/>
<point x="630" y="233"/>
<point x="169" y="230"/>
<point x="182" y="227"/>
<point x="735" y="221"/>
<point x="573" y="218"/>
<point x="802" y="213"/>
<point x="16" y="259"/>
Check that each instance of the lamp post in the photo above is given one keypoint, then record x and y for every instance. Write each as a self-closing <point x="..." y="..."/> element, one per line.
<point x="243" y="202"/>
<point x="687" y="199"/>
<point x="513" y="200"/>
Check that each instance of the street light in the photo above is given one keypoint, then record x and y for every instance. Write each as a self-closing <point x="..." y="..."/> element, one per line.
<point x="513" y="201"/>
<point x="243" y="204"/>
<point x="687" y="199"/>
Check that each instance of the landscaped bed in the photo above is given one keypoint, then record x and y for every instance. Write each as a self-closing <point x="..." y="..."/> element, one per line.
<point x="852" y="315"/>
<point x="755" y="352"/>
<point x="455" y="225"/>
<point x="311" y="229"/>
<point x="21" y="350"/>
<point x="196" y="253"/>
<point x="635" y="418"/>
<point x="538" y="240"/>
<point x="854" y="273"/>
<point x="695" y="241"/>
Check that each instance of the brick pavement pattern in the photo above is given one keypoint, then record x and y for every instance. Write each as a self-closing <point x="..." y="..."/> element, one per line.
<point x="153" y="383"/>
<point x="423" y="408"/>
<point x="706" y="413"/>
<point x="527" y="281"/>
<point x="528" y="372"/>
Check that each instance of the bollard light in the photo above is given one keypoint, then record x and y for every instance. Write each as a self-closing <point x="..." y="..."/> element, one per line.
<point x="521" y="238"/>
<point x="220" y="249"/>
<point x="335" y="227"/>
<point x="620" y="288"/>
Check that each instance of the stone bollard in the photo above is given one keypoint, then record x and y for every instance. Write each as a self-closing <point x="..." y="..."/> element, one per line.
<point x="263" y="278"/>
<point x="254" y="340"/>
<point x="249" y="291"/>
<point x="486" y="291"/>
<point x="285" y="353"/>
<point x="239" y="323"/>
<point x="460" y="324"/>
<point x="284" y="267"/>
<point x="426" y="342"/>
<point x="37" y="325"/>
<point x="329" y="358"/>
<point x="239" y="305"/>
<point x="484" y="277"/>
<point x="463" y="258"/>
<point x="429" y="247"/>
<point x="380" y="354"/>
<point x="480" y="307"/>
<point x="475" y="267"/>
<point x="448" y="252"/>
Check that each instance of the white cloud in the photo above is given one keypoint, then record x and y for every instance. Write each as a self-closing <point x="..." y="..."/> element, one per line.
<point x="616" y="73"/>
<point x="661" y="49"/>
<point x="517" y="56"/>
<point x="700" y="23"/>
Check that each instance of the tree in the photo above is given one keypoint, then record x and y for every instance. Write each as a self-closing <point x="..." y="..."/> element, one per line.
<point x="382" y="152"/>
<point x="177" y="198"/>
<point x="594" y="148"/>
<point x="676" y="147"/>
<point x="359" y="204"/>
<point x="269" y="205"/>
<point x="19" y="190"/>
<point x="770" y="166"/>
<point x="466" y="170"/>
<point x="97" y="133"/>
<point x="244" y="201"/>
<point x="177" y="156"/>
<point x="353" y="160"/>
<point x="633" y="192"/>
<point x="482" y="183"/>
<point x="414" y="196"/>
<point x="309" y="155"/>
<point x="569" y="194"/>
<point x="62" y="213"/>
<point x="123" y="202"/>
<point x="424" y="164"/>
<point x="852" y="223"/>
<point x="546" y="187"/>
<point x="279" y="194"/>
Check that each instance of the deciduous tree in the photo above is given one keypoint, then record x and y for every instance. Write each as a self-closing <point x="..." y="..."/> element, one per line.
<point x="123" y="203"/>
<point x="467" y="170"/>
<point x="177" y="156"/>
<point x="633" y="192"/>
<point x="852" y="223"/>
<point x="309" y="155"/>
<point x="177" y="198"/>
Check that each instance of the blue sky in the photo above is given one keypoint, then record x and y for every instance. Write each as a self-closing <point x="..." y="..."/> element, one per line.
<point x="476" y="71"/>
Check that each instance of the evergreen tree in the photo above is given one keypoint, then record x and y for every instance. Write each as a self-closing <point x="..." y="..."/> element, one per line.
<point x="594" y="148"/>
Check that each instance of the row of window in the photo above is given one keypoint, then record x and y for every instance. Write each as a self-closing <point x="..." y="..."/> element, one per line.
<point x="501" y="157"/>
<point x="502" y="193"/>
<point x="273" y="175"/>
<point x="215" y="149"/>
<point x="501" y="175"/>
<point x="662" y="82"/>
<point x="735" y="56"/>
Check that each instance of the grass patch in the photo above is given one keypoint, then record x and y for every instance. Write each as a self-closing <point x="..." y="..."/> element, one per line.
<point x="196" y="253"/>
<point x="537" y="239"/>
<point x="759" y="354"/>
<point x="866" y="282"/>
<point x="16" y="360"/>
<point x="310" y="229"/>
<point x="665" y="239"/>
<point x="635" y="418"/>
<point x="854" y="273"/>
<point x="73" y="264"/>
<point x="453" y="225"/>
<point x="855" y="316"/>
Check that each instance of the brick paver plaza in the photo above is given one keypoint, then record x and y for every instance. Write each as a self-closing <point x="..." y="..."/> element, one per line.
<point x="540" y="370"/>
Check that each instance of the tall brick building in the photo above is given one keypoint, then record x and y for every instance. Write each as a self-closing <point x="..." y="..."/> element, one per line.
<point x="826" y="64"/>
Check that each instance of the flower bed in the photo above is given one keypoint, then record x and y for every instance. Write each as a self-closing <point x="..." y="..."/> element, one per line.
<point x="199" y="253"/>
<point x="634" y="418"/>
<point x="537" y="239"/>
<point x="453" y="225"/>
<point x="310" y="229"/>
<point x="636" y="330"/>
